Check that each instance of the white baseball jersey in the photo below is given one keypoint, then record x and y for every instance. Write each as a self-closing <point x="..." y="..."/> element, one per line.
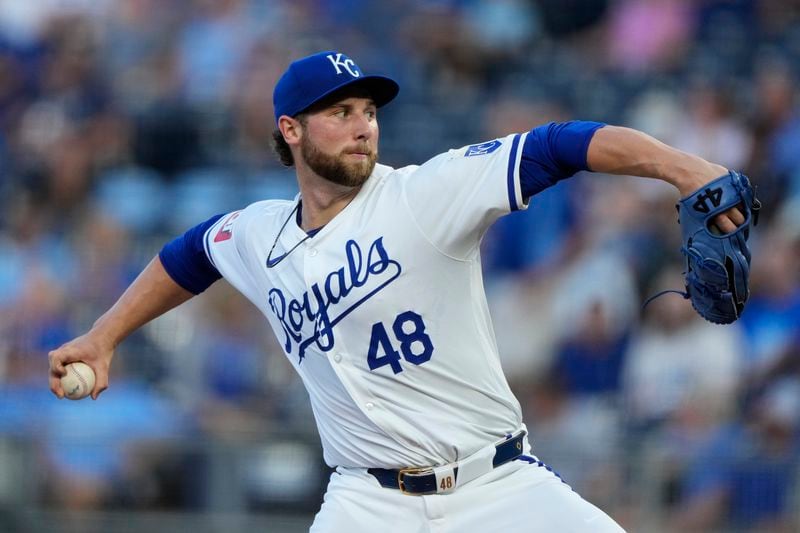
<point x="383" y="312"/>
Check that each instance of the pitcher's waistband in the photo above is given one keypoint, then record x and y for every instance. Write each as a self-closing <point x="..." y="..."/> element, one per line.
<point x="446" y="478"/>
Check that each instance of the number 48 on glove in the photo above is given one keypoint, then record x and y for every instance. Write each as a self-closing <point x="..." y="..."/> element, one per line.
<point x="717" y="265"/>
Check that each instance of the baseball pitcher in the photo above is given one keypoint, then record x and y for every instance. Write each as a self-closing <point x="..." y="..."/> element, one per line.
<point x="371" y="281"/>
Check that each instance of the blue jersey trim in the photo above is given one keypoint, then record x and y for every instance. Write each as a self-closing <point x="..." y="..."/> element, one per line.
<point x="537" y="462"/>
<point x="512" y="163"/>
<point x="185" y="259"/>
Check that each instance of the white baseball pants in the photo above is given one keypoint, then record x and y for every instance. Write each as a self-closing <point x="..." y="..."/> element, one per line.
<point x="516" y="497"/>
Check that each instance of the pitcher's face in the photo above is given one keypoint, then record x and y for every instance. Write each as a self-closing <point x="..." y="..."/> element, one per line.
<point x="340" y="141"/>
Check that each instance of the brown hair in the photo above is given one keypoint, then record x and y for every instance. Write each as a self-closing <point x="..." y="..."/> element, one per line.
<point x="281" y="147"/>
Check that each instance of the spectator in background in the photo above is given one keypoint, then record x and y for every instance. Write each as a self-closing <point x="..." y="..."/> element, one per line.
<point x="594" y="308"/>
<point x="710" y="128"/>
<point x="776" y="128"/>
<point x="589" y="361"/>
<point x="575" y="416"/>
<point x="212" y="45"/>
<point x="679" y="387"/>
<point x="744" y="476"/>
<point x="102" y="455"/>
<point x="580" y="434"/>
<point x="771" y="322"/>
<point x="85" y="449"/>
<point x="774" y="319"/>
<point x="503" y="28"/>
<point x="231" y="391"/>
<point x="676" y="358"/>
<point x="649" y="35"/>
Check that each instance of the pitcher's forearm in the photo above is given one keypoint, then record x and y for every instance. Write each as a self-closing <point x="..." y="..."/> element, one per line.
<point x="151" y="294"/>
<point x="618" y="150"/>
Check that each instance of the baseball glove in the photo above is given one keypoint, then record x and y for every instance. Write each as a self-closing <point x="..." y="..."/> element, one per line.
<point x="717" y="265"/>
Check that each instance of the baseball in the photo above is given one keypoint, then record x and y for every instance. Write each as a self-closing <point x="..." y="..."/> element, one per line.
<point x="78" y="382"/>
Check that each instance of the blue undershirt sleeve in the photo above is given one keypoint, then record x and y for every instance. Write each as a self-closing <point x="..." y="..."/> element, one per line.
<point x="185" y="260"/>
<point x="553" y="152"/>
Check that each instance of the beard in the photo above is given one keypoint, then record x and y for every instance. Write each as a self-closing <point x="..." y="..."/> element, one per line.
<point x="334" y="168"/>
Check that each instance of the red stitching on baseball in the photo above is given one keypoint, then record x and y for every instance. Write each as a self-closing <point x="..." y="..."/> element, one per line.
<point x="80" y="378"/>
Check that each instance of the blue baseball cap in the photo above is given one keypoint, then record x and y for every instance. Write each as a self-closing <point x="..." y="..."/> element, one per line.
<point x="312" y="78"/>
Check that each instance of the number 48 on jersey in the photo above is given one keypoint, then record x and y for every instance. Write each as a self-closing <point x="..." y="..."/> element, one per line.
<point x="409" y="332"/>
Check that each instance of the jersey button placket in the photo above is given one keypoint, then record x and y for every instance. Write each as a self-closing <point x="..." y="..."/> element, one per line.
<point x="312" y="252"/>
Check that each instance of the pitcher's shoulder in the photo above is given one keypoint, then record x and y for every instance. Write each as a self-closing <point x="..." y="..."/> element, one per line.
<point x="257" y="214"/>
<point x="390" y="174"/>
<point x="268" y="209"/>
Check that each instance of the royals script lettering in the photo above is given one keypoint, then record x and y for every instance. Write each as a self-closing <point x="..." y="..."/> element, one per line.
<point x="326" y="303"/>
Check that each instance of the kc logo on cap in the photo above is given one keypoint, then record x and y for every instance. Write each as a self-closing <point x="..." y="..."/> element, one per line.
<point x="348" y="64"/>
<point x="312" y="78"/>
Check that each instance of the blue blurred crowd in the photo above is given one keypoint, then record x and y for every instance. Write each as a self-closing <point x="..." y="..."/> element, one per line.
<point x="124" y="122"/>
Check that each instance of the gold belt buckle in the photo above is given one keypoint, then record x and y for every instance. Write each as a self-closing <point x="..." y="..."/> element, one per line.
<point x="403" y="471"/>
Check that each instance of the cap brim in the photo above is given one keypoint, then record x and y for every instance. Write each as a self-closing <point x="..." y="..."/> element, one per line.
<point x="382" y="89"/>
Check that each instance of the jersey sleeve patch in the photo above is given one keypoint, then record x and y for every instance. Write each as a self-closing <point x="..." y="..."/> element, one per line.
<point x="225" y="231"/>
<point x="483" y="148"/>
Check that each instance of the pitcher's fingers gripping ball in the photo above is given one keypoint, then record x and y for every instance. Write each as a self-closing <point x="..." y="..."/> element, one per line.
<point x="78" y="382"/>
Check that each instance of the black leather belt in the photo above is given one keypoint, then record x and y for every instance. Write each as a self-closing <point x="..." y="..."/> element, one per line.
<point x="420" y="481"/>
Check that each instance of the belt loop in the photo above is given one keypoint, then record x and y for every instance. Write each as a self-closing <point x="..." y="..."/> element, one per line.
<point x="446" y="477"/>
<point x="475" y="465"/>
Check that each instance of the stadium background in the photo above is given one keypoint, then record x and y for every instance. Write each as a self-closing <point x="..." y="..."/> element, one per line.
<point x="122" y="123"/>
